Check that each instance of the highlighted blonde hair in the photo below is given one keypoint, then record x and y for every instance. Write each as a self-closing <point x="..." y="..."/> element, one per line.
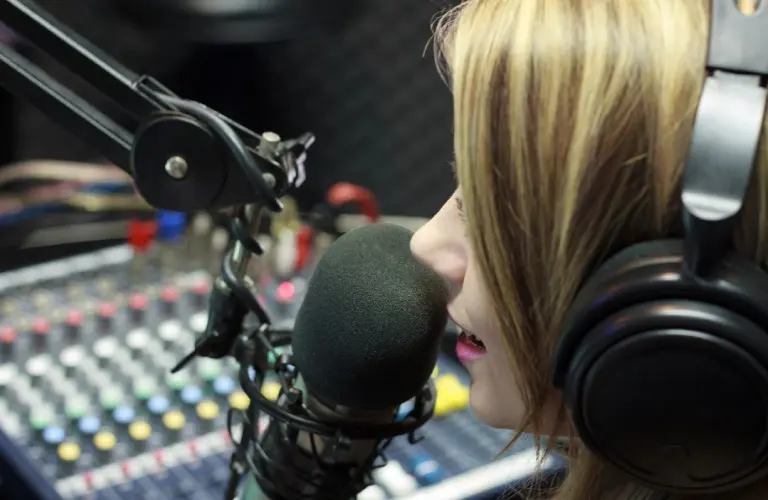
<point x="572" y="123"/>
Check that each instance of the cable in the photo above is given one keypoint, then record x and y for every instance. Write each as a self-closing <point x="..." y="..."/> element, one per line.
<point x="86" y="173"/>
<point x="69" y="234"/>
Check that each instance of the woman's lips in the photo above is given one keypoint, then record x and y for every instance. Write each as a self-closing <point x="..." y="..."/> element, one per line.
<point x="467" y="331"/>
<point x="468" y="348"/>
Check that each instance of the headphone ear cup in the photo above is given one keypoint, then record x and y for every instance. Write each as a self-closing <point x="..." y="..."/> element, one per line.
<point x="581" y="312"/>
<point x="666" y="377"/>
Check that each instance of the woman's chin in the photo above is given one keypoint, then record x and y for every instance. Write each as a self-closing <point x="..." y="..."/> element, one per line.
<point x="489" y="408"/>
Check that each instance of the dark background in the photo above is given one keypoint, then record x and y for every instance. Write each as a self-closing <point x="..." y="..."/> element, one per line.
<point x="369" y="91"/>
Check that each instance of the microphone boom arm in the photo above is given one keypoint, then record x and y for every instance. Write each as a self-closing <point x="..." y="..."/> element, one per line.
<point x="178" y="152"/>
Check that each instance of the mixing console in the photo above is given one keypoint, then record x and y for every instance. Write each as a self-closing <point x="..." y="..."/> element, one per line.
<point x="86" y="345"/>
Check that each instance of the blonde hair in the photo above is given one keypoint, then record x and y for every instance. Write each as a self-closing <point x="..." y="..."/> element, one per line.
<point x="572" y="124"/>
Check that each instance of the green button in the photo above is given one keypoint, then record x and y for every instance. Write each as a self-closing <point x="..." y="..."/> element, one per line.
<point x="176" y="381"/>
<point x="144" y="388"/>
<point x="40" y="418"/>
<point x="210" y="369"/>
<point x="110" y="398"/>
<point x="76" y="408"/>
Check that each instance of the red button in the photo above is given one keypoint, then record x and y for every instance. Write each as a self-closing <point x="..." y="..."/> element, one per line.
<point x="74" y="318"/>
<point x="7" y="335"/>
<point x="106" y="310"/>
<point x="201" y="287"/>
<point x="138" y="301"/>
<point x="169" y="294"/>
<point x="41" y="326"/>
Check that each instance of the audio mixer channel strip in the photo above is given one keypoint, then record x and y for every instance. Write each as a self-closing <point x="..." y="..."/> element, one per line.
<point x="86" y="345"/>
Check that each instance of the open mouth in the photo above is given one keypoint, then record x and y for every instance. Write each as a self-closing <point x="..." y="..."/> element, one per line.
<point x="472" y="340"/>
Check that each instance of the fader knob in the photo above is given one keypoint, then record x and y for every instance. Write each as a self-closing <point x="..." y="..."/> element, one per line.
<point x="208" y="369"/>
<point x="110" y="397"/>
<point x="169" y="296"/>
<point x="224" y="386"/>
<point x="37" y="368"/>
<point x="69" y="454"/>
<point x="41" y="416"/>
<point x="177" y="381"/>
<point x="105" y="314"/>
<point x="123" y="416"/>
<point x="138" y="341"/>
<point x="104" y="442"/>
<point x="144" y="387"/>
<point x="73" y="324"/>
<point x="200" y="290"/>
<point x="106" y="350"/>
<point x="7" y="377"/>
<point x="191" y="395"/>
<point x="207" y="413"/>
<point x="71" y="359"/>
<point x="41" y="328"/>
<point x="138" y="303"/>
<point x="53" y="436"/>
<point x="140" y="432"/>
<point x="198" y="322"/>
<point x="174" y="422"/>
<point x="239" y="401"/>
<point x="89" y="425"/>
<point x="170" y="333"/>
<point x="7" y="342"/>
<point x="76" y="407"/>
<point x="157" y="406"/>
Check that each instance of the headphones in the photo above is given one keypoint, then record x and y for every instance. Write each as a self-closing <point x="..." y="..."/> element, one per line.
<point x="663" y="360"/>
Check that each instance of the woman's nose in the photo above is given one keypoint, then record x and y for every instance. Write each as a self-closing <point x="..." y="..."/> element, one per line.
<point x="441" y="249"/>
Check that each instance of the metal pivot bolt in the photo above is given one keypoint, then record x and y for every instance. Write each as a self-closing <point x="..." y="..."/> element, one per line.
<point x="269" y="143"/>
<point x="176" y="167"/>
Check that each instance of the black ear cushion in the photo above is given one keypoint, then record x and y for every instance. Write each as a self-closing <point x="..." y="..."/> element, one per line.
<point x="639" y="251"/>
<point x="643" y="272"/>
<point x="637" y="254"/>
<point x="632" y="256"/>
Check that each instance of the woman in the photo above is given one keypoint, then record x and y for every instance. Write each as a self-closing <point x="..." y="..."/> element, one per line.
<point x="572" y="123"/>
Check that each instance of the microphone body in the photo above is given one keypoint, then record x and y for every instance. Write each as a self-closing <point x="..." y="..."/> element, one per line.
<point x="365" y="341"/>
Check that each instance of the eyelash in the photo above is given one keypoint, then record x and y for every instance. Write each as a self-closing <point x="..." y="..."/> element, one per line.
<point x="460" y="207"/>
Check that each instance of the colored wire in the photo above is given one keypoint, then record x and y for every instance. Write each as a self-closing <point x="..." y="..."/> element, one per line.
<point x="345" y="192"/>
<point x="51" y="170"/>
<point x="65" y="196"/>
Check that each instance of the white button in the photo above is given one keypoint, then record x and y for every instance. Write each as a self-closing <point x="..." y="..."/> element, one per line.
<point x="137" y="339"/>
<point x="198" y="322"/>
<point x="38" y="366"/>
<point x="169" y="331"/>
<point x="72" y="357"/>
<point x="394" y="478"/>
<point x="7" y="374"/>
<point x="105" y="348"/>
<point x="372" y="492"/>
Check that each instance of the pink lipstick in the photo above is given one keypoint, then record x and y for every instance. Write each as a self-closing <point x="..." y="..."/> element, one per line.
<point x="469" y="348"/>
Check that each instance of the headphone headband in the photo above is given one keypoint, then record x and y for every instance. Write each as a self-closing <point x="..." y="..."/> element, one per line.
<point x="726" y="133"/>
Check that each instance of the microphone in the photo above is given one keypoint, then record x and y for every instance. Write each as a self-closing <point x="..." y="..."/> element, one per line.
<point x="365" y="341"/>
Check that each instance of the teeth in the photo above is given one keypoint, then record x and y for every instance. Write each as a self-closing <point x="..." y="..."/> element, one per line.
<point x="472" y="338"/>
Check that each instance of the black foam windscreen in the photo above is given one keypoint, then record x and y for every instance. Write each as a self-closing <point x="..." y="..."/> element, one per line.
<point x="368" y="332"/>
